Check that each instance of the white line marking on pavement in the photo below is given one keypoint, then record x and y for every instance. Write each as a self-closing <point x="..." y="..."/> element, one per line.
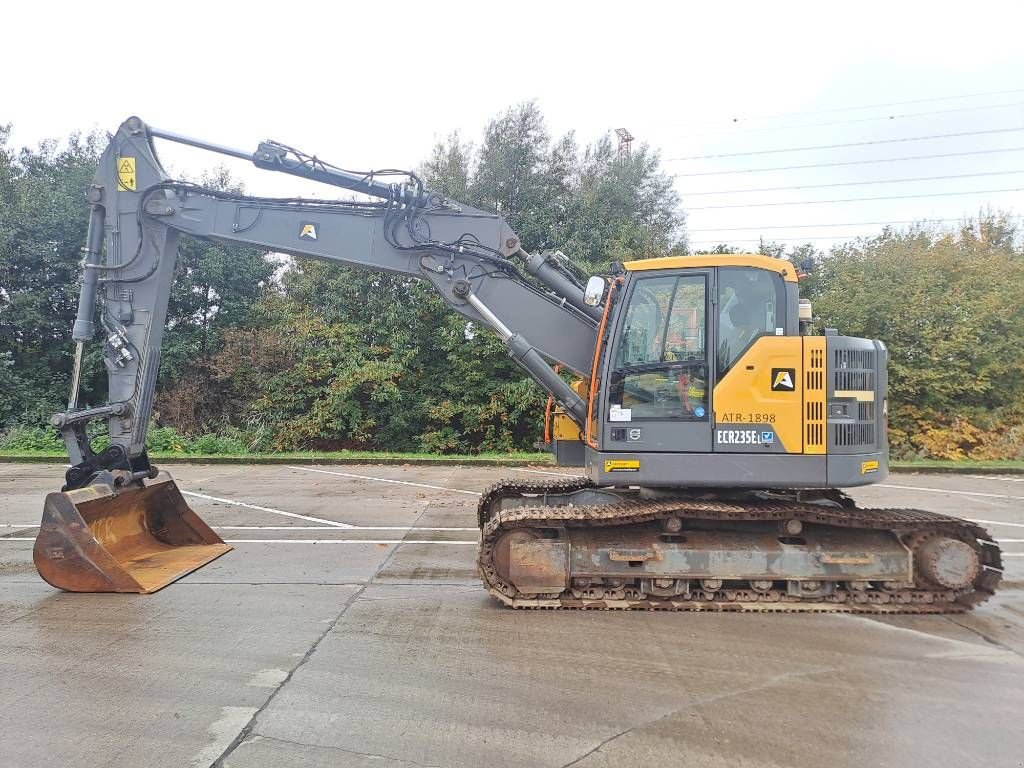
<point x="384" y="480"/>
<point x="5" y="538"/>
<point x="1010" y="541"/>
<point x="540" y="472"/>
<point x="993" y="522"/>
<point x="1013" y="554"/>
<point x="343" y="541"/>
<point x="331" y="523"/>
<point x="945" y="490"/>
<point x="1002" y="478"/>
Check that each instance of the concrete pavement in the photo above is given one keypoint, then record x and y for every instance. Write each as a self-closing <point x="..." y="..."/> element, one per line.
<point x="348" y="628"/>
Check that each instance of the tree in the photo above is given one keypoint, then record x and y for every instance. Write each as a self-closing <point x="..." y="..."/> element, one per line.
<point x="379" y="361"/>
<point x="331" y="356"/>
<point x="43" y="220"/>
<point x="948" y="306"/>
<point x="218" y="287"/>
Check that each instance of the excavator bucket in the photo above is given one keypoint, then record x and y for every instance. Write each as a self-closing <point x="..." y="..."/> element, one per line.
<point x="138" y="538"/>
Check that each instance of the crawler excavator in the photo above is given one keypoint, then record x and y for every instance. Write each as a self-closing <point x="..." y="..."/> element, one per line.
<point x="715" y="429"/>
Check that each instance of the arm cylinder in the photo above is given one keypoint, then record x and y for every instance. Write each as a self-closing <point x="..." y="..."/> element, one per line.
<point x="274" y="157"/>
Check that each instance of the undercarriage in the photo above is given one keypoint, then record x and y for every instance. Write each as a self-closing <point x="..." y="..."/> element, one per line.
<point x="568" y="544"/>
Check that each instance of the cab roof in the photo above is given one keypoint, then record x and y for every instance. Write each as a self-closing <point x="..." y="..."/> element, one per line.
<point x="756" y="260"/>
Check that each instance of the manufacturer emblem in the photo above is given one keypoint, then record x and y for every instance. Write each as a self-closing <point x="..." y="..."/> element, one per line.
<point x="783" y="379"/>
<point x="307" y="231"/>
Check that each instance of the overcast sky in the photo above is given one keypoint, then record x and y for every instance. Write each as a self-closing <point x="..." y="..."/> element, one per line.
<point x="376" y="84"/>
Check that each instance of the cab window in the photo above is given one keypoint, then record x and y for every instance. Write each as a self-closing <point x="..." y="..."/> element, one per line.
<point x="661" y="363"/>
<point x="750" y="305"/>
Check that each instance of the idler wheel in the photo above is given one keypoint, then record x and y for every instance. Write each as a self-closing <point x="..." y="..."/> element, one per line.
<point x="950" y="563"/>
<point x="501" y="549"/>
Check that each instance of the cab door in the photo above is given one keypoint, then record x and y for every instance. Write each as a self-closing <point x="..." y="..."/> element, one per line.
<point x="658" y="393"/>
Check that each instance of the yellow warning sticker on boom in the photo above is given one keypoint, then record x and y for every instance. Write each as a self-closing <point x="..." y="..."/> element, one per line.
<point x="126" y="174"/>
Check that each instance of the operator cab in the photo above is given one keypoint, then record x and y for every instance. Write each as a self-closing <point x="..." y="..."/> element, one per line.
<point x="683" y="324"/>
<point x="707" y="380"/>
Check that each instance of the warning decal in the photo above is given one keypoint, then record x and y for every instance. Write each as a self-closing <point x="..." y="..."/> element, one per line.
<point x="622" y="465"/>
<point x="126" y="174"/>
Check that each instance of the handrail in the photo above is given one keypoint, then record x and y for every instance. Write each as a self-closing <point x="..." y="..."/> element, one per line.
<point x="592" y="390"/>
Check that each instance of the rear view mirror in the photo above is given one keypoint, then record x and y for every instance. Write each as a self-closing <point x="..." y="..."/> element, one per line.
<point x="595" y="291"/>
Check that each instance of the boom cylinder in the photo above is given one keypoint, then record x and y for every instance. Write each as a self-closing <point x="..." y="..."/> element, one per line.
<point x="528" y="358"/>
<point x="541" y="266"/>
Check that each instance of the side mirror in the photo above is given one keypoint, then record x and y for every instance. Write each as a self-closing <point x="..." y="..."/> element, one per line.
<point x="595" y="291"/>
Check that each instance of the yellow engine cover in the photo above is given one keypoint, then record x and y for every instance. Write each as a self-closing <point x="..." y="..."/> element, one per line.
<point x="779" y="381"/>
<point x="764" y="386"/>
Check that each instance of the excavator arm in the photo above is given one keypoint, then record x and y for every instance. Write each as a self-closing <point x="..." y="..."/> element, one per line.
<point x="120" y="525"/>
<point x="472" y="258"/>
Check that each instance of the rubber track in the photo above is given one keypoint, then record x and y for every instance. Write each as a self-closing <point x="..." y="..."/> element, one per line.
<point x="920" y="599"/>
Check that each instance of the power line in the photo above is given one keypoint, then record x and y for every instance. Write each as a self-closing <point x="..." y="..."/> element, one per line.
<point x="874" y="118"/>
<point x="790" y="237"/>
<point x="759" y="239"/>
<point x="852" y="144"/>
<point x="806" y="226"/>
<point x="853" y="183"/>
<point x="853" y="109"/>
<point x="852" y="162"/>
<point x="855" y="199"/>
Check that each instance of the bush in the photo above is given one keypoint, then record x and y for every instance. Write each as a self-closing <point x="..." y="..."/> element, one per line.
<point x="159" y="440"/>
<point x="31" y="439"/>
<point x="949" y="307"/>
<point x="166" y="440"/>
<point x="216" y="444"/>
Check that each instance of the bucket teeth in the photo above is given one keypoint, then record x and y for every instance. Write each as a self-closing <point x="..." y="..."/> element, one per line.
<point x="139" y="538"/>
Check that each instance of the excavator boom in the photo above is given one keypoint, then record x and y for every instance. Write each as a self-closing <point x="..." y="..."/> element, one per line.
<point x="118" y="525"/>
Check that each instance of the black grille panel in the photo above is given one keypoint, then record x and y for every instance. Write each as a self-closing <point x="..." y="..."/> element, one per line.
<point x="854" y="358"/>
<point x="814" y="418"/>
<point x="854" y="380"/>
<point x="815" y="425"/>
<point x="815" y="371"/>
<point x="846" y="435"/>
